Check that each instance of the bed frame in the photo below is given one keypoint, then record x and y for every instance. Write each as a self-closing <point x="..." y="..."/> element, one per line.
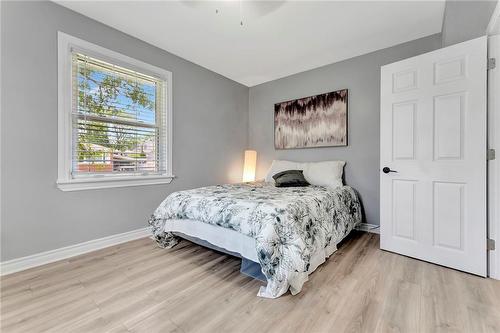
<point x="248" y="267"/>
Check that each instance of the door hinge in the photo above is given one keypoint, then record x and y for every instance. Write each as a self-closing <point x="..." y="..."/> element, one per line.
<point x="491" y="155"/>
<point x="490" y="244"/>
<point x="492" y="63"/>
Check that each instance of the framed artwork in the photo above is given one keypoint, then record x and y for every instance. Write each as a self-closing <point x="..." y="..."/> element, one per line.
<point x="315" y="121"/>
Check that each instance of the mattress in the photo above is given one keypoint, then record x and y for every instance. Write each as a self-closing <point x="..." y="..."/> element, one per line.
<point x="293" y="229"/>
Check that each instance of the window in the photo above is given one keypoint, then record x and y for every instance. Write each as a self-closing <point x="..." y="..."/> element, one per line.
<point x="114" y="119"/>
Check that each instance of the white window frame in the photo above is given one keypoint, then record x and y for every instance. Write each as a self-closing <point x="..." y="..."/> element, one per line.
<point x="65" y="181"/>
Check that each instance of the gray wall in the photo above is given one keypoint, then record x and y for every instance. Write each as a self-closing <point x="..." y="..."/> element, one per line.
<point x="361" y="75"/>
<point x="214" y="120"/>
<point x="210" y="133"/>
<point x="464" y="20"/>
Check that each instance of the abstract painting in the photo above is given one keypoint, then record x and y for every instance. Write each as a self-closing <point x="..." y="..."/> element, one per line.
<point x="315" y="121"/>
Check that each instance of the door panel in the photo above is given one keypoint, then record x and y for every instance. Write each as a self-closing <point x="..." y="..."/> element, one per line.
<point x="433" y="133"/>
<point x="404" y="81"/>
<point x="403" y="195"/>
<point x="449" y="203"/>
<point x="449" y="70"/>
<point x="403" y="127"/>
<point x="448" y="126"/>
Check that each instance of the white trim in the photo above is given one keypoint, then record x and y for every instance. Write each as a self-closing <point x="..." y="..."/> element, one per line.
<point x="65" y="181"/>
<point x="494" y="166"/>
<point x="1" y="113"/>
<point x="20" y="264"/>
<point x="111" y="182"/>
<point x="494" y="24"/>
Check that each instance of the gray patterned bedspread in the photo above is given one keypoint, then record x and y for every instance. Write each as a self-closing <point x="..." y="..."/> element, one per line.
<point x="289" y="225"/>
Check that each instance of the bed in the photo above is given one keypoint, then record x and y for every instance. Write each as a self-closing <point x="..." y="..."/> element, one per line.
<point x="282" y="234"/>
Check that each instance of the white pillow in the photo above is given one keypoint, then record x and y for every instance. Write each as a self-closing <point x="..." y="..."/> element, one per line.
<point x="279" y="165"/>
<point x="327" y="174"/>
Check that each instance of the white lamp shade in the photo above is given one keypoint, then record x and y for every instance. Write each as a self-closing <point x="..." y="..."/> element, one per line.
<point x="249" y="165"/>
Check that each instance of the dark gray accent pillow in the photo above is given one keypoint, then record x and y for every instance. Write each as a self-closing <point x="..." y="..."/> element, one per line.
<point x="290" y="178"/>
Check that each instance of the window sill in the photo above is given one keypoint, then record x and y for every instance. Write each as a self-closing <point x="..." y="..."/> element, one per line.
<point x="108" y="182"/>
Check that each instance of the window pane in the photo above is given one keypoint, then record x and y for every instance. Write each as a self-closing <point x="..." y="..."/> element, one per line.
<point x="116" y="120"/>
<point x="114" y="93"/>
<point x="114" y="148"/>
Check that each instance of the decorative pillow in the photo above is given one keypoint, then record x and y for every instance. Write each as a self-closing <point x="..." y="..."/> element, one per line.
<point x="290" y="178"/>
<point x="327" y="174"/>
<point x="278" y="166"/>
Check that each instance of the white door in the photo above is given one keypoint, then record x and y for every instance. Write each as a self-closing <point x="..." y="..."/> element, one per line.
<point x="433" y="133"/>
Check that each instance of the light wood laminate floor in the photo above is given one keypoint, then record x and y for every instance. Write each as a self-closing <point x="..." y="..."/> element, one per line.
<point x="138" y="287"/>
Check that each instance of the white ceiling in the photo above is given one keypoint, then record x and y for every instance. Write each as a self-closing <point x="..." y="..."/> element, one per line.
<point x="277" y="39"/>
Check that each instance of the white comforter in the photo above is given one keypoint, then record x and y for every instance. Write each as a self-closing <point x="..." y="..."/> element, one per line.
<point x="291" y="226"/>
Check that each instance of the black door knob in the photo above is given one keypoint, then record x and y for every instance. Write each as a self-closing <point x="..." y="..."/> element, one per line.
<point x="387" y="170"/>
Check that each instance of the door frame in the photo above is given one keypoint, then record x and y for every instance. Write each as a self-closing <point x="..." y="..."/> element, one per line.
<point x="493" y="115"/>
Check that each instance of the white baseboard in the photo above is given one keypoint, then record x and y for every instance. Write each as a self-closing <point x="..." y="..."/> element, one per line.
<point x="20" y="264"/>
<point x="373" y="228"/>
